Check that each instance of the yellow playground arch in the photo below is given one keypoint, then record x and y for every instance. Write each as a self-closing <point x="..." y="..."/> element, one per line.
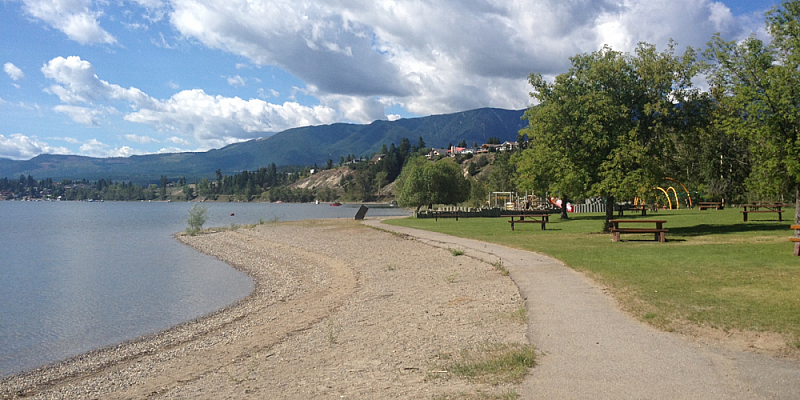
<point x="637" y="200"/>
<point x="684" y="188"/>
<point x="665" y="194"/>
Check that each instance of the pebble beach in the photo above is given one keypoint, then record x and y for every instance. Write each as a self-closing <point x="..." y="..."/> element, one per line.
<point x="339" y="310"/>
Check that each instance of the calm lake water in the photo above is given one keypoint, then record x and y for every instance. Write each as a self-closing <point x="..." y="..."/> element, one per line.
<point x="77" y="276"/>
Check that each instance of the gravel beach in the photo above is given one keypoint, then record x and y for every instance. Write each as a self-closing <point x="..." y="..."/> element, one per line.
<point x="339" y="310"/>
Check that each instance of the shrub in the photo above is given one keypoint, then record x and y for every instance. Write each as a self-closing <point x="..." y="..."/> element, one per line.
<point x="197" y="217"/>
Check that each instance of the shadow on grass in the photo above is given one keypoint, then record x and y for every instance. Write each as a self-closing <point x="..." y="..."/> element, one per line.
<point x="706" y="229"/>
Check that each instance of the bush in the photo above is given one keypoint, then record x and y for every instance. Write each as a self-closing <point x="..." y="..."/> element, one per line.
<point x="197" y="217"/>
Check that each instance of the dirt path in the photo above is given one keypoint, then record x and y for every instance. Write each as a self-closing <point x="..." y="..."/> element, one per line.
<point x="589" y="349"/>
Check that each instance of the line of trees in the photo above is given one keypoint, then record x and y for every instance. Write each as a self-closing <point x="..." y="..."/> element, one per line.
<point x="616" y="124"/>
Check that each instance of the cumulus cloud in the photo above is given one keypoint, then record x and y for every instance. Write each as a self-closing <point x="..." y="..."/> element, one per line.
<point x="75" y="18"/>
<point x="236" y="81"/>
<point x="211" y="121"/>
<point x="96" y="148"/>
<point x="359" y="58"/>
<point x="140" y="139"/>
<point x="215" y="121"/>
<point x="81" y="115"/>
<point x="177" y="140"/>
<point x="13" y="71"/>
<point x="437" y="56"/>
<point x="20" y="147"/>
<point x="78" y="83"/>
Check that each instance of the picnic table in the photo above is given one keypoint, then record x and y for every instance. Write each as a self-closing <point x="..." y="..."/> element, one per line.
<point x="769" y="208"/>
<point x="621" y="209"/>
<point x="542" y="219"/>
<point x="659" y="231"/>
<point x="796" y="239"/>
<point x="717" y="205"/>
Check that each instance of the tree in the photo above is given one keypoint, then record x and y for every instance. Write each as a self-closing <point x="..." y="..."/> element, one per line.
<point x="427" y="183"/>
<point x="197" y="217"/>
<point x="163" y="187"/>
<point x="762" y="83"/>
<point x="605" y="127"/>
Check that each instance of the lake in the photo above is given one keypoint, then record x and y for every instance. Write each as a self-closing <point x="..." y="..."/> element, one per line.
<point x="77" y="276"/>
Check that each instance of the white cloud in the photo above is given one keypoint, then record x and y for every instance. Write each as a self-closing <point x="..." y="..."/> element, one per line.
<point x="272" y="93"/>
<point x="165" y="150"/>
<point x="359" y="58"/>
<point x="140" y="139"/>
<point x="173" y="85"/>
<point x="75" y="18"/>
<point x="215" y="121"/>
<point x="78" y="83"/>
<point x="65" y="139"/>
<point x="20" y="147"/>
<point x="13" y="71"/>
<point x="211" y="121"/>
<point x="443" y="56"/>
<point x="96" y="148"/>
<point x="237" y="81"/>
<point x="81" y="115"/>
<point x="178" y="140"/>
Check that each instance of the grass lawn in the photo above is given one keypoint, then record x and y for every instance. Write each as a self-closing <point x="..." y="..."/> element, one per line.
<point x="715" y="270"/>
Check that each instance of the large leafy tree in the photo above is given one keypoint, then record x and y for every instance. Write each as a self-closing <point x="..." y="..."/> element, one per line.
<point x="760" y="83"/>
<point x="427" y="183"/>
<point x="606" y="126"/>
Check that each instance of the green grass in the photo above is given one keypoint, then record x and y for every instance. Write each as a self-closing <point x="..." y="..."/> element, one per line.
<point x="491" y="363"/>
<point x="714" y="270"/>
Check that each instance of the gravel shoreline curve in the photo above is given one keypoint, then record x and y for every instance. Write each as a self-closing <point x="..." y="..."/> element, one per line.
<point x="338" y="310"/>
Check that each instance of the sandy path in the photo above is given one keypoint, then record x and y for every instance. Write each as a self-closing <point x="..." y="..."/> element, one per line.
<point x="589" y="349"/>
<point x="339" y="311"/>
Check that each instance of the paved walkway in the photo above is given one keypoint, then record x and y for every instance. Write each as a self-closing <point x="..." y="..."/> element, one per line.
<point x="589" y="349"/>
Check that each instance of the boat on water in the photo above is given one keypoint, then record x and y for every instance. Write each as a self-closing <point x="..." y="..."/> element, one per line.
<point x="336" y="204"/>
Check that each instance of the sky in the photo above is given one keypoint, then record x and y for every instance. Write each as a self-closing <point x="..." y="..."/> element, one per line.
<point x="115" y="78"/>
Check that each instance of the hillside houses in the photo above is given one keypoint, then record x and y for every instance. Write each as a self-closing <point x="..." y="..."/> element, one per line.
<point x="485" y="148"/>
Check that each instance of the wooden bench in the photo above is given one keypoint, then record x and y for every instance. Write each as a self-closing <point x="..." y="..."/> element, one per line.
<point x="642" y="208"/>
<point x="796" y="239"/>
<point x="445" y="214"/>
<point x="717" y="205"/>
<point x="757" y="208"/>
<point x="658" y="231"/>
<point x="542" y="219"/>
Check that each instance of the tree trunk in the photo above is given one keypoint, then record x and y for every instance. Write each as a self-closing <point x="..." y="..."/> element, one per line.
<point x="564" y="208"/>
<point x="797" y="204"/>
<point x="609" y="213"/>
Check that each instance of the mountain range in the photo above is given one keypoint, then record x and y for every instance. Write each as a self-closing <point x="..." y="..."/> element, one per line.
<point x="297" y="146"/>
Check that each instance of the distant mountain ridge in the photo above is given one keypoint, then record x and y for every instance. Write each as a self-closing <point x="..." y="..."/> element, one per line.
<point x="297" y="146"/>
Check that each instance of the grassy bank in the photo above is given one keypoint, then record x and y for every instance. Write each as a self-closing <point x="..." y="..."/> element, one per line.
<point x="714" y="270"/>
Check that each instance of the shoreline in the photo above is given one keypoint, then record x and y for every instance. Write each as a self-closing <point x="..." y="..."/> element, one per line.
<point x="294" y="291"/>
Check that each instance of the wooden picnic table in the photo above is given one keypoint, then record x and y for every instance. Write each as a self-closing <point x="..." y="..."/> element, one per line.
<point x="542" y="219"/>
<point x="659" y="231"/>
<point x="796" y="239"/>
<point x="642" y="208"/>
<point x="718" y="205"/>
<point x="757" y="208"/>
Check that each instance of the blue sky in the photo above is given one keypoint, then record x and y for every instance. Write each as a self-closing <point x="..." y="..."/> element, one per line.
<point x="118" y="78"/>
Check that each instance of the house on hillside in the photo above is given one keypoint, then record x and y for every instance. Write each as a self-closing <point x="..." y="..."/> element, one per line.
<point x="508" y="146"/>
<point x="437" y="153"/>
<point x="377" y="158"/>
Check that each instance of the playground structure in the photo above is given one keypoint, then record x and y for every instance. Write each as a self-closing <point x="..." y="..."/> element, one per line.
<point x="677" y="204"/>
<point x="666" y="197"/>
<point x="514" y="201"/>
